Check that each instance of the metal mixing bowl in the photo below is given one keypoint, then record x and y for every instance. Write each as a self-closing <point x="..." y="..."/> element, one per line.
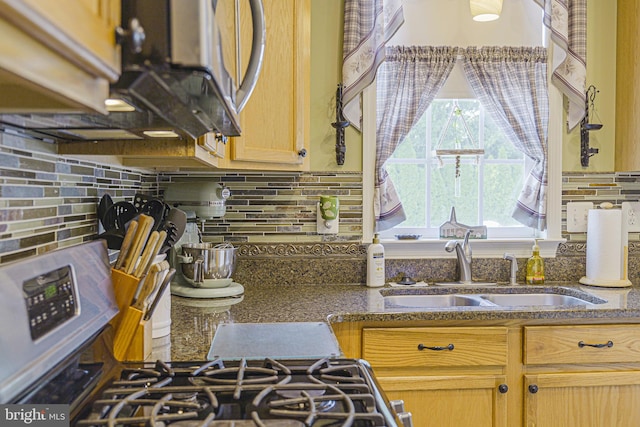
<point x="216" y="261"/>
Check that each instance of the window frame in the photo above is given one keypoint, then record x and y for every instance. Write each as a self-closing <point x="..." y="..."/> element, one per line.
<point x="483" y="248"/>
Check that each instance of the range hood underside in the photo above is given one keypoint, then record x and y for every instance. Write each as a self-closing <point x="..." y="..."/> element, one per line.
<point x="185" y="101"/>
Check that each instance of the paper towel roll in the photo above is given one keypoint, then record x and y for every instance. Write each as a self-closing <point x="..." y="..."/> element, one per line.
<point x="607" y="246"/>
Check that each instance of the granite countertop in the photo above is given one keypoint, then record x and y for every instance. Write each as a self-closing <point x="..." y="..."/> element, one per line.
<point x="194" y="320"/>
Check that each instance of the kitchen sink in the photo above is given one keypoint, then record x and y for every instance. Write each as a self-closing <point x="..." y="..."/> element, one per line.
<point x="451" y="300"/>
<point x="522" y="300"/>
<point x="559" y="297"/>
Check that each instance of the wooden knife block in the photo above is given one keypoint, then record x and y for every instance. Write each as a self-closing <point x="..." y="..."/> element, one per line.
<point x="124" y="287"/>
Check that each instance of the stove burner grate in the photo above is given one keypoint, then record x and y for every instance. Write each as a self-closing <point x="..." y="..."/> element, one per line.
<point x="312" y="402"/>
<point x="319" y="393"/>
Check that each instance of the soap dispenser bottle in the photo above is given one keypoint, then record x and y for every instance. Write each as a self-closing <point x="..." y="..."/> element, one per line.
<point x="535" y="267"/>
<point x="375" y="263"/>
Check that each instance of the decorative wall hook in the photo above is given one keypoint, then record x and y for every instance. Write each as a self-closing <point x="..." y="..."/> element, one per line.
<point x="339" y="126"/>
<point x="585" y="127"/>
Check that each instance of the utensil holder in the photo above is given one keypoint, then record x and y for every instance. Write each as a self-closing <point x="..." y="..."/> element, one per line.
<point x="124" y="288"/>
<point x="133" y="338"/>
<point x="142" y="343"/>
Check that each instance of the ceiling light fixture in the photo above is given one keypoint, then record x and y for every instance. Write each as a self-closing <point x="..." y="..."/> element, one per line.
<point x="485" y="10"/>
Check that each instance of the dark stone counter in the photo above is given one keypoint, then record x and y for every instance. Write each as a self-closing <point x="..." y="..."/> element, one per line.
<point x="194" y="320"/>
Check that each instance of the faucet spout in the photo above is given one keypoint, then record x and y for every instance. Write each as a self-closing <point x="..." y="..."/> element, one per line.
<point x="464" y="255"/>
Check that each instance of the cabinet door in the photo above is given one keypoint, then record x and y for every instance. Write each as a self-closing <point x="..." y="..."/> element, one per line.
<point x="275" y="120"/>
<point x="594" y="399"/>
<point x="62" y="54"/>
<point x="450" y="401"/>
<point x="627" y="87"/>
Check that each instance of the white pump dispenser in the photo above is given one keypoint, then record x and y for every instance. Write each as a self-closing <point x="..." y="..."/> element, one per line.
<point x="375" y="263"/>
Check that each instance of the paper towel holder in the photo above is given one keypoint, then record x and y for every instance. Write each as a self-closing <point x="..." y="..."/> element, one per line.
<point x="624" y="281"/>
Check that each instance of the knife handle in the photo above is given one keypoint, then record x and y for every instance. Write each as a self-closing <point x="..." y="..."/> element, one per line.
<point x="145" y="223"/>
<point x="126" y="243"/>
<point x="147" y="254"/>
<point x="162" y="235"/>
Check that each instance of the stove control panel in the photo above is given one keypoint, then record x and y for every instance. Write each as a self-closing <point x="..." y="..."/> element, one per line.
<point x="51" y="300"/>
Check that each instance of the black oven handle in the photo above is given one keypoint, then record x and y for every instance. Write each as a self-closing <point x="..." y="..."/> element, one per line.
<point x="250" y="78"/>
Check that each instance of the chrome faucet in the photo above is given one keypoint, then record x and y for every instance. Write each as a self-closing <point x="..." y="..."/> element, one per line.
<point x="514" y="268"/>
<point x="463" y="252"/>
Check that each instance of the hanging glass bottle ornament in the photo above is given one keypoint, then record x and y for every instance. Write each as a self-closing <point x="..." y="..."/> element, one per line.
<point x="457" y="135"/>
<point x="457" y="179"/>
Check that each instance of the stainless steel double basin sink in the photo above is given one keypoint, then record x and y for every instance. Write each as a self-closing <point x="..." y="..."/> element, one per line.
<point x="500" y="298"/>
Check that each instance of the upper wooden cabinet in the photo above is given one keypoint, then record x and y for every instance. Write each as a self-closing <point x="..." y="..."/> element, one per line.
<point x="159" y="154"/>
<point x="58" y="55"/>
<point x="627" y="87"/>
<point x="275" y="121"/>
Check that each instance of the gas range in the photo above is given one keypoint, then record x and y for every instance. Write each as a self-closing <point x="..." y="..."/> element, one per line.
<point x="59" y="305"/>
<point x="267" y="392"/>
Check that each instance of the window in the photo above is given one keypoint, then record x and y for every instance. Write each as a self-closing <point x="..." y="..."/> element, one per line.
<point x="456" y="156"/>
<point x="438" y="23"/>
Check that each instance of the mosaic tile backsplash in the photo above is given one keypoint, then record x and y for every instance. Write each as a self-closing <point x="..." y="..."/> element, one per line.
<point x="48" y="201"/>
<point x="279" y="207"/>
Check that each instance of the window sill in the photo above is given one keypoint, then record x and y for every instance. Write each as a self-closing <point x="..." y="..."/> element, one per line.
<point x="481" y="248"/>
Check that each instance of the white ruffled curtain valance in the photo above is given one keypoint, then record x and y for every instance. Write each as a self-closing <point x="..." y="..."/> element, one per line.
<point x="567" y="21"/>
<point x="368" y="25"/>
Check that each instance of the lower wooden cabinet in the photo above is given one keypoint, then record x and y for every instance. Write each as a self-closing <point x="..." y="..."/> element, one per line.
<point x="588" y="399"/>
<point x="555" y="375"/>
<point x="450" y="400"/>
<point x="441" y="373"/>
<point x="544" y="345"/>
<point x="580" y="376"/>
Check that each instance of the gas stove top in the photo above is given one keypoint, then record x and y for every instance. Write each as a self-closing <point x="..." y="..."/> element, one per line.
<point x="325" y="392"/>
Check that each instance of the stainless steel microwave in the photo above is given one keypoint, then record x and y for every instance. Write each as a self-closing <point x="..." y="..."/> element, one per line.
<point x="191" y="54"/>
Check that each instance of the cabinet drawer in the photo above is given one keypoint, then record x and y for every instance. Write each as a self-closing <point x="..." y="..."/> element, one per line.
<point x="418" y="347"/>
<point x="581" y="344"/>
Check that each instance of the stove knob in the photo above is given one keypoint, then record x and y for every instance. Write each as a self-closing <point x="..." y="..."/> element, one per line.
<point x="397" y="405"/>
<point x="403" y="416"/>
<point x="405" y="419"/>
